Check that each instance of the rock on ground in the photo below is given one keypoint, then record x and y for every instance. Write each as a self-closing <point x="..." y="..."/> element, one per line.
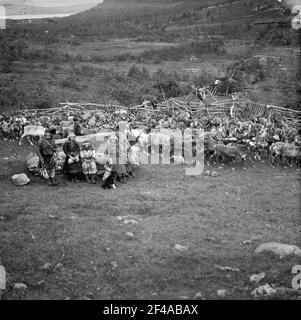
<point x="257" y="277"/>
<point x="20" y="179"/>
<point x="263" y="291"/>
<point x="20" y="286"/>
<point x="180" y="248"/>
<point x="221" y="293"/>
<point x="282" y="250"/>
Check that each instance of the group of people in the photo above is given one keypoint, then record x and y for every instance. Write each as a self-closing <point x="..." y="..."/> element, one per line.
<point x="79" y="159"/>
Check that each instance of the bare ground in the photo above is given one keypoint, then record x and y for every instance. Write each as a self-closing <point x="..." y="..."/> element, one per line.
<point x="77" y="225"/>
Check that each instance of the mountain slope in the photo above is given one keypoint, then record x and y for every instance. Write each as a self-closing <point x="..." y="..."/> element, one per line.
<point x="165" y="19"/>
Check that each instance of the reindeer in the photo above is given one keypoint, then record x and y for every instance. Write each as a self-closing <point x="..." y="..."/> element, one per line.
<point x="32" y="131"/>
<point x="229" y="151"/>
<point x="284" y="150"/>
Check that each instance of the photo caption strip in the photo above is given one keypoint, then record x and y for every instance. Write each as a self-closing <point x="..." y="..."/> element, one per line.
<point x="154" y="309"/>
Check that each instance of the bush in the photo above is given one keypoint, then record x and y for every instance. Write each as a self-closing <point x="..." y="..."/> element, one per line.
<point x="41" y="55"/>
<point x="175" y="53"/>
<point x="11" y="49"/>
<point x="85" y="70"/>
<point x="166" y="84"/>
<point x="137" y="74"/>
<point x="69" y="82"/>
<point x="99" y="59"/>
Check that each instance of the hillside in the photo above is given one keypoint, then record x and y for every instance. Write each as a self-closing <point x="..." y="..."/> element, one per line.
<point x="163" y="20"/>
<point x="126" y="49"/>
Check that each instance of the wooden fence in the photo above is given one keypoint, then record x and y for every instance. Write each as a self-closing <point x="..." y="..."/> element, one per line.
<point x="196" y="108"/>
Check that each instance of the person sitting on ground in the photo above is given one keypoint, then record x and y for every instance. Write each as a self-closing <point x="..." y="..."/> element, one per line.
<point x="87" y="155"/>
<point x="72" y="165"/>
<point x="47" y="152"/>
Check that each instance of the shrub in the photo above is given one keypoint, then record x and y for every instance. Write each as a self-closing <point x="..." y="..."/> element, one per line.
<point x="85" y="70"/>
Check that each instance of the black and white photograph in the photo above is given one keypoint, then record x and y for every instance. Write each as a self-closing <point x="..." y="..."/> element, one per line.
<point x="150" y="150"/>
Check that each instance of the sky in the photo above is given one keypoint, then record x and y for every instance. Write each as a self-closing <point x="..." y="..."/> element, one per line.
<point x="290" y="3"/>
<point x="59" y="3"/>
<point x="50" y="3"/>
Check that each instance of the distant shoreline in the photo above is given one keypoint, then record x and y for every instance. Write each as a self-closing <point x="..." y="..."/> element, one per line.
<point x="38" y="16"/>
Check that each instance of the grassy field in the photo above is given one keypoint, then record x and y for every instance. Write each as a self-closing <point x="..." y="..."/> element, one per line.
<point x="77" y="225"/>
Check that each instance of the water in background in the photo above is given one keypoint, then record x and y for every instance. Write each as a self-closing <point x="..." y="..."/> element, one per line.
<point x="38" y="16"/>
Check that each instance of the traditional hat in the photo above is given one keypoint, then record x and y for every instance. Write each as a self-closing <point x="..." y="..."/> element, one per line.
<point x="86" y="143"/>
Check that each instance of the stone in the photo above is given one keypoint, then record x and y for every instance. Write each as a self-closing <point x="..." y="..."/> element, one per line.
<point x="114" y="265"/>
<point x="246" y="241"/>
<point x="40" y="283"/>
<point x="257" y="277"/>
<point x="211" y="239"/>
<point x="20" y="179"/>
<point x="263" y="291"/>
<point x="130" y="221"/>
<point x="221" y="293"/>
<point x="211" y="173"/>
<point x="180" y="248"/>
<point x="198" y="295"/>
<point x="20" y="286"/>
<point x="226" y="268"/>
<point x="282" y="250"/>
<point x="52" y="216"/>
<point x="58" y="267"/>
<point x="47" y="266"/>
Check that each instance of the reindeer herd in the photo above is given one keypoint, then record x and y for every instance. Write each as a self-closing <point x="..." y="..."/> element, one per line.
<point x="225" y="139"/>
<point x="215" y="150"/>
<point x="277" y="152"/>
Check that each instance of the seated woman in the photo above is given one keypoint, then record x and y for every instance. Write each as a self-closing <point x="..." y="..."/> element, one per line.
<point x="72" y="166"/>
<point x="88" y="162"/>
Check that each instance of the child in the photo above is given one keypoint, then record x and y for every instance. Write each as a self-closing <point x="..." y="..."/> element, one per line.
<point x="88" y="162"/>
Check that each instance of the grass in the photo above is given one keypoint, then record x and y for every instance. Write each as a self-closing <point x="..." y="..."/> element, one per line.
<point x="77" y="225"/>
